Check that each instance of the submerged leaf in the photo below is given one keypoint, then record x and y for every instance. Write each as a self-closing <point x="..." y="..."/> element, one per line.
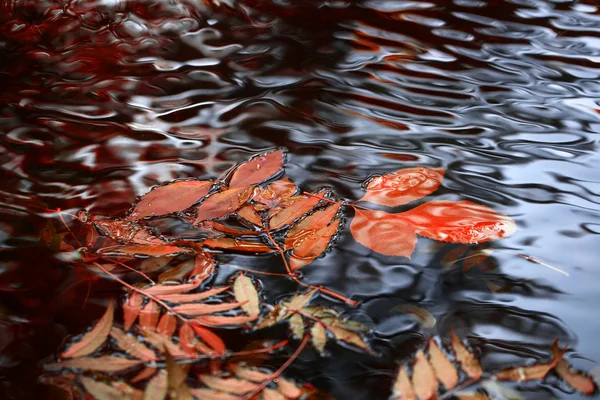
<point x="403" y="186"/>
<point x="466" y="359"/>
<point x="459" y="222"/>
<point x="258" y="169"/>
<point x="384" y="233"/>
<point x="103" y="391"/>
<point x="229" y="385"/>
<point x="167" y="199"/>
<point x="131" y="309"/>
<point x="210" y="338"/>
<point x="94" y="338"/>
<point x="245" y="292"/>
<point x="222" y="204"/>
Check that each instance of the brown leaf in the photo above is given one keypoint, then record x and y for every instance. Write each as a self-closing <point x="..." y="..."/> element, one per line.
<point x="144" y="374"/>
<point x="258" y="169"/>
<point x="466" y="359"/>
<point x="157" y="388"/>
<point x="221" y="204"/>
<point x="164" y="289"/>
<point x="222" y="320"/>
<point x="131" y="309"/>
<point x="250" y="374"/>
<point x="102" y="364"/>
<point x="532" y="372"/>
<point x="176" y="376"/>
<point x="103" y="391"/>
<point x="297" y="326"/>
<point x="229" y="385"/>
<point x="348" y="336"/>
<point x="459" y="222"/>
<point x="403" y="186"/>
<point x="423" y="378"/>
<point x="443" y="368"/>
<point x="195" y="309"/>
<point x="245" y="292"/>
<point x="403" y="389"/>
<point x="312" y="244"/>
<point x="151" y="250"/>
<point x="577" y="380"/>
<point x="155" y="263"/>
<point x="90" y="341"/>
<point x="281" y="313"/>
<point x="178" y="272"/>
<point x="237" y="245"/>
<point x="473" y="396"/>
<point x="164" y="344"/>
<point x="167" y="324"/>
<point x="209" y="394"/>
<point x="422" y="315"/>
<point x="210" y="338"/>
<point x="188" y="298"/>
<point x="171" y="198"/>
<point x="132" y="346"/>
<point x="318" y="336"/>
<point x="248" y="213"/>
<point x="300" y="205"/>
<point x="149" y="315"/>
<point x="384" y="233"/>
<point x="127" y="232"/>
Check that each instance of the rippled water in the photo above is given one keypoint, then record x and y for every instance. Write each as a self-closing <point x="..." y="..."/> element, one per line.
<point x="99" y="101"/>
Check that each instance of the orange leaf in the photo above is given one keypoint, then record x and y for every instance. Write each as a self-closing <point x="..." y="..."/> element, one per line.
<point x="189" y="298"/>
<point x="385" y="233"/>
<point x="155" y="263"/>
<point x="222" y="204"/>
<point x="157" y="387"/>
<point x="311" y="244"/>
<point x="258" y="169"/>
<point x="131" y="309"/>
<point x="103" y="363"/>
<point x="443" y="368"/>
<point x="210" y="338"/>
<point x="237" y="245"/>
<point x="167" y="324"/>
<point x="222" y="320"/>
<point x="466" y="359"/>
<point x="577" y="380"/>
<point x="314" y="222"/>
<point x="403" y="186"/>
<point x="194" y="309"/>
<point x="229" y="385"/>
<point x="94" y="338"/>
<point x="300" y="205"/>
<point x="245" y="292"/>
<point x="167" y="199"/>
<point x="423" y="378"/>
<point x="249" y="214"/>
<point x="276" y="193"/>
<point x="152" y="250"/>
<point x="164" y="289"/>
<point x="403" y="389"/>
<point x="537" y="371"/>
<point x="473" y="396"/>
<point x="127" y="232"/>
<point x="217" y="227"/>
<point x="132" y="346"/>
<point x="204" y="266"/>
<point x="459" y="222"/>
<point x="187" y="340"/>
<point x="149" y="315"/>
<point x="144" y="374"/>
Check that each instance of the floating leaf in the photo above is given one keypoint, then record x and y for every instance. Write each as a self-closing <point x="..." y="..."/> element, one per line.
<point x="314" y="222"/>
<point x="423" y="378"/>
<point x="194" y="309"/>
<point x="473" y="396"/>
<point x="422" y="315"/>
<point x="210" y="338"/>
<point x="103" y="391"/>
<point x="101" y="364"/>
<point x="300" y="206"/>
<point x="403" y="186"/>
<point x="282" y="312"/>
<point x="155" y="263"/>
<point x="348" y="336"/>
<point x="94" y="338"/>
<point x="149" y="315"/>
<point x="132" y="346"/>
<point x="229" y="385"/>
<point x="171" y="198"/>
<point x="577" y="380"/>
<point x="152" y="250"/>
<point x="188" y="298"/>
<point x="466" y="359"/>
<point x="167" y="324"/>
<point x="312" y="244"/>
<point x="157" y="388"/>
<point x="403" y="389"/>
<point x="276" y="194"/>
<point x="318" y="336"/>
<point x="459" y="222"/>
<point x="443" y="368"/>
<point x="219" y="320"/>
<point x="288" y="388"/>
<point x="258" y="169"/>
<point x="248" y="213"/>
<point x="385" y="233"/>
<point x="210" y="394"/>
<point x="131" y="309"/>
<point x="127" y="232"/>
<point x="222" y="204"/>
<point x="245" y="292"/>
<point x="237" y="245"/>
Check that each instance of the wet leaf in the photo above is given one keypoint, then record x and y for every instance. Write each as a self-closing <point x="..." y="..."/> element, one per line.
<point x="210" y="338"/>
<point x="250" y="374"/>
<point x="164" y="344"/>
<point x="318" y="336"/>
<point x="131" y="309"/>
<point x="237" y="245"/>
<point x="127" y="232"/>
<point x="423" y="379"/>
<point x="422" y="315"/>
<point x="577" y="380"/>
<point x="218" y="320"/>
<point x="195" y="309"/>
<point x="164" y="289"/>
<point x="348" y="336"/>
<point x="403" y="186"/>
<point x="312" y="223"/>
<point x="167" y="324"/>
<point x="473" y="396"/>
<point x="229" y="385"/>
<point x="384" y="233"/>
<point x="222" y="204"/>
<point x="102" y="364"/>
<point x="459" y="222"/>
<point x="189" y="298"/>
<point x="149" y="315"/>
<point x="178" y="272"/>
<point x="300" y="206"/>
<point x="157" y="388"/>
<point x="258" y="169"/>
<point x="90" y="341"/>
<point x="281" y="313"/>
<point x="132" y="346"/>
<point x="466" y="359"/>
<point x="297" y="326"/>
<point x="312" y="244"/>
<point x="171" y="198"/>
<point x="101" y="390"/>
<point x="152" y="250"/>
<point x="155" y="263"/>
<point x="403" y="389"/>
<point x="187" y="340"/>
<point x="276" y="194"/>
<point x="248" y="213"/>
<point x="245" y="292"/>
<point x="537" y="371"/>
<point x="210" y="394"/>
<point x="443" y="368"/>
<point x="288" y="388"/>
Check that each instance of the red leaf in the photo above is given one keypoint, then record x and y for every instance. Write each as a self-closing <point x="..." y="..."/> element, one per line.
<point x="276" y="193"/>
<point x="466" y="359"/>
<point x="210" y="338"/>
<point x="222" y="204"/>
<point x="188" y="298"/>
<point x="204" y="266"/>
<point x="312" y="244"/>
<point x="222" y="320"/>
<point x="194" y="309"/>
<point x="94" y="338"/>
<point x="217" y="228"/>
<point x="384" y="233"/>
<point x="187" y="340"/>
<point x="167" y="324"/>
<point x="314" y="222"/>
<point x="153" y="250"/>
<point x="577" y="380"/>
<point x="423" y="378"/>
<point x="237" y="245"/>
<point x="258" y="169"/>
<point x="403" y="186"/>
<point x="149" y="315"/>
<point x="131" y="309"/>
<point x="459" y="222"/>
<point x="170" y="198"/>
<point x="298" y="206"/>
<point x="248" y="213"/>
<point x="127" y="232"/>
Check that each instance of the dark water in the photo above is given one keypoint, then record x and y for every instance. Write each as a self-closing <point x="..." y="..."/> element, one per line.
<point x="99" y="101"/>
